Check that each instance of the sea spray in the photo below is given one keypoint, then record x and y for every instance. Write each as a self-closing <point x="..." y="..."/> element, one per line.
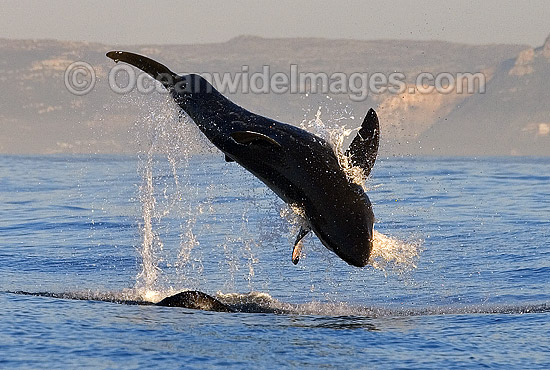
<point x="175" y="201"/>
<point x="166" y="141"/>
<point x="392" y="253"/>
<point x="152" y="244"/>
<point x="150" y="240"/>
<point x="336" y="136"/>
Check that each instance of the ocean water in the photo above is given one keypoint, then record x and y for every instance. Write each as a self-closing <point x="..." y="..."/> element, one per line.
<point x="465" y="283"/>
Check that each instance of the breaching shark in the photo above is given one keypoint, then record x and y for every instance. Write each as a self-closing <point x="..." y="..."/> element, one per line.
<point x="301" y="168"/>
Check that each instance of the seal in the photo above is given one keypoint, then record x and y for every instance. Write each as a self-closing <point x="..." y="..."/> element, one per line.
<point x="195" y="300"/>
<point x="301" y="168"/>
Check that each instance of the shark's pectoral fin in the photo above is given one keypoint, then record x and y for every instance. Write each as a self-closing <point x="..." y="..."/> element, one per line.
<point x="229" y="159"/>
<point x="298" y="244"/>
<point x="249" y="137"/>
<point x="364" y="147"/>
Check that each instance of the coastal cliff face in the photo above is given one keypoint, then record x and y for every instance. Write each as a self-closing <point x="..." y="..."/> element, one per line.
<point x="511" y="118"/>
<point x="408" y="115"/>
<point x="38" y="114"/>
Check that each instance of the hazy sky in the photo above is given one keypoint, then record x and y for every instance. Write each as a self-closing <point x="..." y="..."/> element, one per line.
<point x="184" y="22"/>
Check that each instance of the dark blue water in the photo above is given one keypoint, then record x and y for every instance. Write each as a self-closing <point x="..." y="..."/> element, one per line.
<point x="479" y="296"/>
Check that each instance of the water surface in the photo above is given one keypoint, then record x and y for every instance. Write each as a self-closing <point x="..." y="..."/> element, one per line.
<point x="478" y="296"/>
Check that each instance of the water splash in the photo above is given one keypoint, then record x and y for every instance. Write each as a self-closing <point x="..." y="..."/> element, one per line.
<point x="174" y="200"/>
<point x="168" y="138"/>
<point x="389" y="253"/>
<point x="336" y="137"/>
<point x="150" y="240"/>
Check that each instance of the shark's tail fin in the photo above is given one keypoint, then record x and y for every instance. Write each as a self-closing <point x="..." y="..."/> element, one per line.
<point x="156" y="70"/>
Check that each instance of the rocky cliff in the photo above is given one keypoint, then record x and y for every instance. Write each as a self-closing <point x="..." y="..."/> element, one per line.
<point x="39" y="115"/>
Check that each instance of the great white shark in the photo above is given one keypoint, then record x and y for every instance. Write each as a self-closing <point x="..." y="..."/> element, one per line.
<point x="301" y="168"/>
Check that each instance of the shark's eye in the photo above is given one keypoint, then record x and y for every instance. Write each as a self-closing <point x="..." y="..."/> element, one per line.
<point x="181" y="87"/>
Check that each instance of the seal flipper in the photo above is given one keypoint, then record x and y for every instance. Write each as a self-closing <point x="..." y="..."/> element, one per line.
<point x="247" y="137"/>
<point x="364" y="147"/>
<point x="298" y="244"/>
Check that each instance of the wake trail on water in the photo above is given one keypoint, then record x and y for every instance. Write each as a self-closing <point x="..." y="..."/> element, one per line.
<point x="259" y="302"/>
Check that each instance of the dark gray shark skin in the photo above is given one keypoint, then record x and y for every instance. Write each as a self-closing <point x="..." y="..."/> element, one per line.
<point x="301" y="168"/>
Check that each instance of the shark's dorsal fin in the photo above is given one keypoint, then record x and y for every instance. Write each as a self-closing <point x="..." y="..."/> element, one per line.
<point x="247" y="137"/>
<point x="364" y="147"/>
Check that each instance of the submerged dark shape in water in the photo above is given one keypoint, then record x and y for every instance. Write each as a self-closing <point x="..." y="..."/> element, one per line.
<point x="195" y="300"/>
<point x="301" y="168"/>
<point x="191" y="299"/>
